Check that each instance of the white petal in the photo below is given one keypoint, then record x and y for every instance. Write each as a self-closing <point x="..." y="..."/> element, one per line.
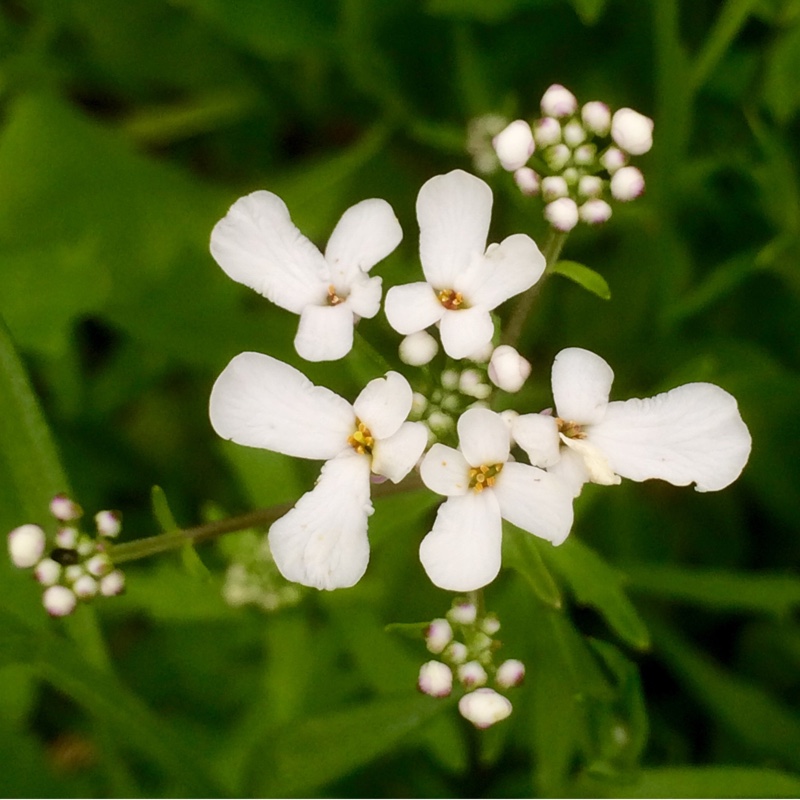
<point x="581" y="384"/>
<point x="383" y="404"/>
<point x="365" y="235"/>
<point x="462" y="552"/>
<point x="465" y="331"/>
<point x="445" y="471"/>
<point x="483" y="437"/>
<point x="535" y="501"/>
<point x="537" y="435"/>
<point x="322" y="541"/>
<point x="412" y="307"/>
<point x="454" y="211"/>
<point x="257" y="244"/>
<point x="571" y="470"/>
<point x="396" y="456"/>
<point x="690" y="434"/>
<point x="259" y="401"/>
<point x="325" y="333"/>
<point x="365" y="296"/>
<point x="597" y="466"/>
<point x="507" y="269"/>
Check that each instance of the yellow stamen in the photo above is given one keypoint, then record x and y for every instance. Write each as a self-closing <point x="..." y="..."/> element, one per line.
<point x="451" y="299"/>
<point x="361" y="440"/>
<point x="333" y="298"/>
<point x="484" y="476"/>
<point x="570" y="429"/>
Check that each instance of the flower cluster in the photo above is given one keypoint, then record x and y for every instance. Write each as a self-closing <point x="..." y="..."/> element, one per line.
<point x="73" y="565"/>
<point x="582" y="157"/>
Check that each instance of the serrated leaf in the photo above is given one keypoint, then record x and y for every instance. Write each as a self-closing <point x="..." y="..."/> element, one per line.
<point x="590" y="280"/>
<point x="521" y="553"/>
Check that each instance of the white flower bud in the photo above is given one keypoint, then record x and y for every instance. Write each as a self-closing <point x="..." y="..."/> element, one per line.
<point x="109" y="523"/>
<point x="67" y="537"/>
<point x="553" y="187"/>
<point x="438" y="635"/>
<point x="558" y="102"/>
<point x="472" y="675"/>
<point x="64" y="509"/>
<point x="527" y="180"/>
<point x="595" y="211"/>
<point x="113" y="583"/>
<point x="490" y="625"/>
<point x="26" y="545"/>
<point x="471" y="384"/>
<point x="596" y="117"/>
<point x="514" y="145"/>
<point x="74" y="572"/>
<point x="632" y="131"/>
<point x="85" y="587"/>
<point x="451" y="402"/>
<point x="418" y="403"/>
<point x="484" y="707"/>
<point x="464" y="613"/>
<point x="99" y="565"/>
<point x="449" y="379"/>
<point x="439" y="422"/>
<point x="86" y="546"/>
<point x="590" y="186"/>
<point x="546" y="131"/>
<point x="508" y="370"/>
<point x="574" y="133"/>
<point x="585" y="154"/>
<point x="562" y="214"/>
<point x="627" y="184"/>
<point x="456" y="652"/>
<point x="557" y="156"/>
<point x="418" y="349"/>
<point x="510" y="673"/>
<point x="59" y="601"/>
<point x="435" y="679"/>
<point x="613" y="159"/>
<point x="47" y="572"/>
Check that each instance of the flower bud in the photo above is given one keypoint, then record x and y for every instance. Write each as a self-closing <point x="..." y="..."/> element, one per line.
<point x="440" y="423"/>
<point x="484" y="707"/>
<point x="74" y="572"/>
<point x="573" y="133"/>
<point x="590" y="186"/>
<point x="64" y="509"/>
<point x="471" y="384"/>
<point x="26" y="545"/>
<point x="99" y="565"/>
<point x="47" y="572"/>
<point x="484" y="352"/>
<point x="553" y="187"/>
<point x="557" y="156"/>
<point x="109" y="523"/>
<point x="510" y="673"/>
<point x="449" y="379"/>
<point x="85" y="587"/>
<point x="558" y="102"/>
<point x="514" y="145"/>
<point x="546" y="131"/>
<point x="59" y="601"/>
<point x="613" y="159"/>
<point x="113" y="583"/>
<point x="418" y="349"/>
<point x="418" y="403"/>
<point x="435" y="679"/>
<point x="438" y="635"/>
<point x="527" y="180"/>
<point x="562" y="214"/>
<point x="632" y="131"/>
<point x="67" y="537"/>
<point x="464" y="613"/>
<point x="585" y="154"/>
<point x="596" y="117"/>
<point x="490" y="625"/>
<point x="472" y="675"/>
<point x="595" y="211"/>
<point x="508" y="370"/>
<point x="456" y="652"/>
<point x="627" y="184"/>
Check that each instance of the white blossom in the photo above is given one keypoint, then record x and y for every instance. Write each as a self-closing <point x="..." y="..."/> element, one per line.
<point x="632" y="131"/>
<point x="508" y="370"/>
<point x="514" y="145"/>
<point x="484" y="707"/>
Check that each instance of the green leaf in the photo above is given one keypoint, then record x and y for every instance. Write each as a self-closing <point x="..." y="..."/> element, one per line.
<point x="192" y="562"/>
<point x="521" y="553"/>
<point x="595" y="583"/>
<point x="590" y="280"/>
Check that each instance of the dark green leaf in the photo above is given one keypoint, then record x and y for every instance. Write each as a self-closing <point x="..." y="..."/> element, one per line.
<point x="590" y="280"/>
<point x="521" y="553"/>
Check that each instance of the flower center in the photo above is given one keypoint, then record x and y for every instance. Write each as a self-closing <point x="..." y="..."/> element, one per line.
<point x="570" y="429"/>
<point x="333" y="298"/>
<point x="361" y="440"/>
<point x="451" y="299"/>
<point x="484" y="476"/>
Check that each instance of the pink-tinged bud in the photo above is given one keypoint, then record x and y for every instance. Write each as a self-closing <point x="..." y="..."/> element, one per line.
<point x="590" y="186"/>
<point x="109" y="523"/>
<point x="595" y="211"/>
<point x="558" y="102"/>
<point x="557" y="156"/>
<point x="435" y="679"/>
<point x="484" y="707"/>
<point x="627" y="184"/>
<point x="573" y="133"/>
<point x="632" y="131"/>
<point x="99" y="565"/>
<point x="613" y="159"/>
<point x="508" y="370"/>
<point x="510" y="673"/>
<point x="472" y="675"/>
<point x="546" y="131"/>
<point x="464" y="613"/>
<point x="112" y="584"/>
<point x="74" y="572"/>
<point x="64" y="509"/>
<point x="490" y="625"/>
<point x="596" y="117"/>
<point x="562" y="214"/>
<point x="67" y="537"/>
<point x="59" y="601"/>
<point x="514" y="145"/>
<point x="438" y="635"/>
<point x="418" y="349"/>
<point x="585" y="154"/>
<point x="527" y="180"/>
<point x="47" y="572"/>
<point x="553" y="187"/>
<point x="456" y="652"/>
<point x="26" y="545"/>
<point x="85" y="587"/>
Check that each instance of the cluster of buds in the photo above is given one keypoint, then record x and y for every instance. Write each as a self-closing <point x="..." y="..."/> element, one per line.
<point x="73" y="565"/>
<point x="582" y="157"/>
<point x="465" y="644"/>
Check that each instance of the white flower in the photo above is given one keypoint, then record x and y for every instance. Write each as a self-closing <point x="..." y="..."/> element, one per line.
<point x="462" y="551"/>
<point x="465" y="280"/>
<point x="691" y="434"/>
<point x="26" y="545"/>
<point x="484" y="707"/>
<point x="514" y="145"/>
<point x="632" y="131"/>
<point x="558" y="102"/>
<point x="257" y="244"/>
<point x="627" y="183"/>
<point x="435" y="679"/>
<point x="261" y="402"/>
<point x="508" y="370"/>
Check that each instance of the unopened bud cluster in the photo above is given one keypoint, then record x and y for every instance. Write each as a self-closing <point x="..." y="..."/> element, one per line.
<point x="73" y="565"/>
<point x="582" y="157"/>
<point x="465" y="645"/>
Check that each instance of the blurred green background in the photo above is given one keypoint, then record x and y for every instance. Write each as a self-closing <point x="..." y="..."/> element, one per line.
<point x="672" y="667"/>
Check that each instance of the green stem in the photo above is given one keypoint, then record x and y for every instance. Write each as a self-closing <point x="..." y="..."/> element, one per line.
<point x="551" y="251"/>
<point x="173" y="540"/>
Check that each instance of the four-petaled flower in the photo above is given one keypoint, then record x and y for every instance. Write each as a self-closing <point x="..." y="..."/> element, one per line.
<point x="691" y="434"/>
<point x="259" y="401"/>
<point x="463" y="550"/>
<point x="257" y="244"/>
<point x="465" y="280"/>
